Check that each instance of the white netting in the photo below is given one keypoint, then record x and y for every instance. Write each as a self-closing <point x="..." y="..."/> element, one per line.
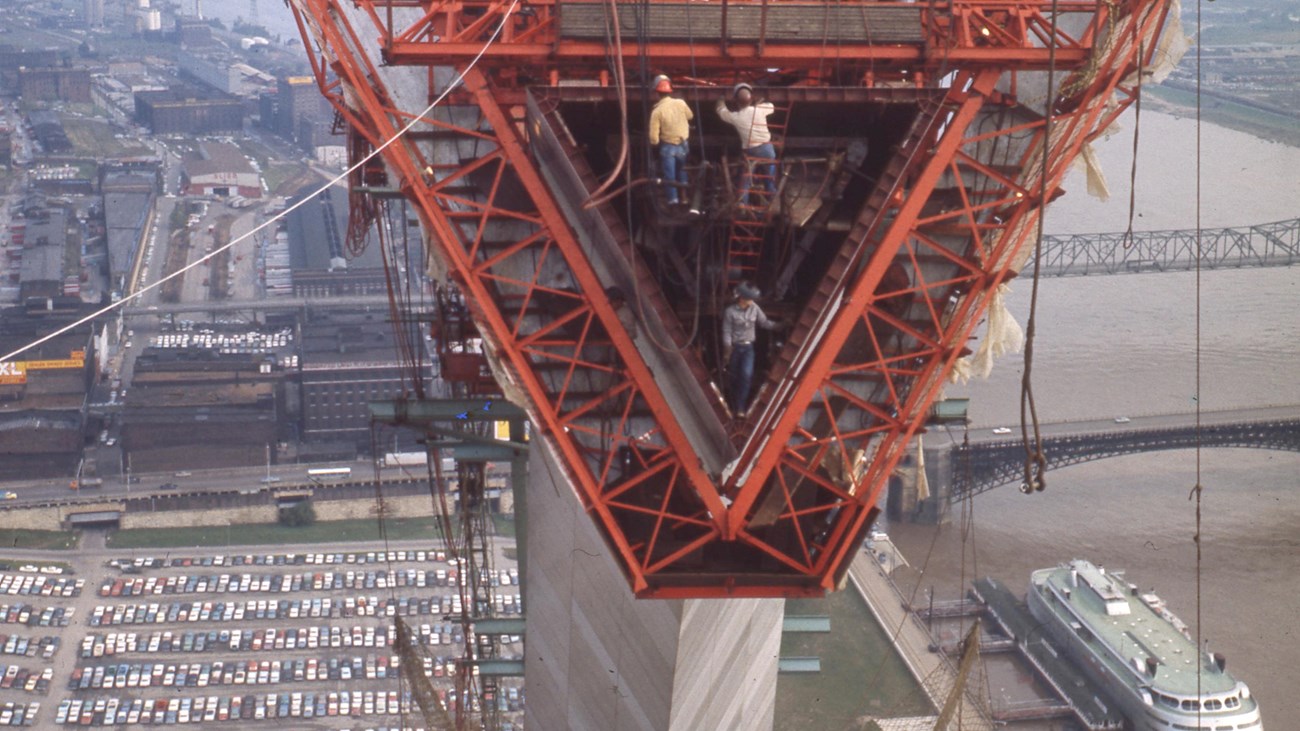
<point x="1003" y="335"/>
<point x="1097" y="187"/>
<point x="922" y="484"/>
<point x="1172" y="47"/>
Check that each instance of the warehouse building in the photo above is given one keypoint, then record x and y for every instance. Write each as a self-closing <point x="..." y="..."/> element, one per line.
<point x="54" y="84"/>
<point x="222" y="170"/>
<point x="189" y="111"/>
<point x="43" y="395"/>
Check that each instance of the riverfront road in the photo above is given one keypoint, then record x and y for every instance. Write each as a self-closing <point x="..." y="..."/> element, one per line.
<point x="234" y="478"/>
<point x="1124" y="422"/>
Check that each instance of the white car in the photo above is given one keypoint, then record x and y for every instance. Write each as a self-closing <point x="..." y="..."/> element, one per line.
<point x="1002" y="430"/>
<point x="1122" y="420"/>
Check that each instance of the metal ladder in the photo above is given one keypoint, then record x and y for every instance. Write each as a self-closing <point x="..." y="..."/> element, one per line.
<point x="747" y="228"/>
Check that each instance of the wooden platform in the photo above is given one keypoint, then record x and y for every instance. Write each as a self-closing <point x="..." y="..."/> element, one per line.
<point x="748" y="22"/>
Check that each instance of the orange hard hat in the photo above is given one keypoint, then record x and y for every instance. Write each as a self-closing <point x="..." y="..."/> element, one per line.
<point x="663" y="85"/>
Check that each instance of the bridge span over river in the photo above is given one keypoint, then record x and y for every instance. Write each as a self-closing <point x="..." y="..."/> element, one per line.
<point x="979" y="460"/>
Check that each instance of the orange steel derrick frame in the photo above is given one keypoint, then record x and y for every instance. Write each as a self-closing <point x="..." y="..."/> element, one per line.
<point x="894" y="312"/>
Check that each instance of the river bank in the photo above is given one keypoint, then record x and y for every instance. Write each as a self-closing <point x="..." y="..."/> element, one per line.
<point x="1134" y="513"/>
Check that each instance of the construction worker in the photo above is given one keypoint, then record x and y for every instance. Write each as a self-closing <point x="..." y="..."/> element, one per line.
<point x="739" y="323"/>
<point x="669" y="131"/>
<point x="750" y="121"/>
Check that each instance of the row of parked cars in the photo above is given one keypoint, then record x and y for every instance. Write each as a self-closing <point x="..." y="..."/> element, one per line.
<point x="40" y="585"/>
<point x="262" y="609"/>
<point x="28" y="646"/>
<point x="19" y="714"/>
<point x="21" y="678"/>
<point x="313" y="637"/>
<point x="284" y="583"/>
<point x="32" y="616"/>
<point x="113" y="711"/>
<point x="239" y="640"/>
<point x="296" y="559"/>
<point x="246" y="672"/>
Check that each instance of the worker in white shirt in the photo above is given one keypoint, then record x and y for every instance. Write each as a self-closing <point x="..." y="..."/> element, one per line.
<point x="750" y="121"/>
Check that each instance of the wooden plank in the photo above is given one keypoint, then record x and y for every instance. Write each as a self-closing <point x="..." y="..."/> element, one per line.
<point x="802" y="23"/>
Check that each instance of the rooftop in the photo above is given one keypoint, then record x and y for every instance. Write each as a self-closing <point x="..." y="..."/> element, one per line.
<point x="218" y="157"/>
<point x="43" y="263"/>
<point x="183" y="95"/>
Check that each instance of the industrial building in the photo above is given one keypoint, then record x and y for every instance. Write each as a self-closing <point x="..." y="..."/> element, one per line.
<point x="301" y="114"/>
<point x="45" y="254"/>
<point x="220" y="170"/>
<point x="188" y="110"/>
<point x="215" y="69"/>
<point x="191" y="31"/>
<point x="230" y="403"/>
<point x="347" y="361"/>
<point x="93" y="13"/>
<point x="47" y="127"/>
<point x="43" y="394"/>
<point x="126" y="213"/>
<point x="131" y="175"/>
<point x="318" y="257"/>
<point x="13" y="59"/>
<point x="65" y="84"/>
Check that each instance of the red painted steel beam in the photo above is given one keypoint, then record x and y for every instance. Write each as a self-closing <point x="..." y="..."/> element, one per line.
<point x="764" y="450"/>
<point x="574" y="55"/>
<point x="804" y="477"/>
<point x="1011" y="35"/>
<point x="1074" y="129"/>
<point x="381" y="122"/>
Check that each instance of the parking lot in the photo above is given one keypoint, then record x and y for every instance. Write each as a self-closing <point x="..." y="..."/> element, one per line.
<point x="218" y="638"/>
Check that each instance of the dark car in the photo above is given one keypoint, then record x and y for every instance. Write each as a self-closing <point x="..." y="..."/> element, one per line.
<point x="167" y="486"/>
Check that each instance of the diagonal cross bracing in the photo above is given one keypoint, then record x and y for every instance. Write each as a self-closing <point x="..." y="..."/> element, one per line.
<point x="780" y="510"/>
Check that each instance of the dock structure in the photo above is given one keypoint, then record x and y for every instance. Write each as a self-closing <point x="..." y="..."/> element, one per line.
<point x="912" y="641"/>
<point x="1075" y="690"/>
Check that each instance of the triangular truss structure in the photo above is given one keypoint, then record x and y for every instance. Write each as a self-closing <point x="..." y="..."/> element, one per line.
<point x="972" y="111"/>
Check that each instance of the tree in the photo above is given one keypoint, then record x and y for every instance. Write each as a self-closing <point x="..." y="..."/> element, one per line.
<point x="298" y="515"/>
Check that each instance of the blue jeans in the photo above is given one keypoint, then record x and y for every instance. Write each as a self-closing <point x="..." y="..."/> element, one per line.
<point x="740" y="371"/>
<point x="764" y="151"/>
<point x="672" y="158"/>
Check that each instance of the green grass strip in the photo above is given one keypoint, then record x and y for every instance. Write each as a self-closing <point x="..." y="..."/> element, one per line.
<point x="45" y="540"/>
<point x="270" y="534"/>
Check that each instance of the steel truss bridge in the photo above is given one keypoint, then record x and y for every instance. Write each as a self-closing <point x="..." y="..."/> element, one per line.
<point x="980" y="467"/>
<point x="1262" y="245"/>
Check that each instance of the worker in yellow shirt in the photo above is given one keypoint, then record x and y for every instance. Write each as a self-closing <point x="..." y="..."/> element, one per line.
<point x="669" y="131"/>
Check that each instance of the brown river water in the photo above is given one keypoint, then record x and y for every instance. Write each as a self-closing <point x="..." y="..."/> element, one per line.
<point x="1127" y="345"/>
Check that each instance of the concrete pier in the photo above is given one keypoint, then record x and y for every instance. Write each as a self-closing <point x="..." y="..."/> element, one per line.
<point x="599" y="659"/>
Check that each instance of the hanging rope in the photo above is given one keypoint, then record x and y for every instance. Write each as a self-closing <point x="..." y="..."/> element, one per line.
<point x="1137" y="126"/>
<point x="1035" y="460"/>
<point x="1198" y="489"/>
